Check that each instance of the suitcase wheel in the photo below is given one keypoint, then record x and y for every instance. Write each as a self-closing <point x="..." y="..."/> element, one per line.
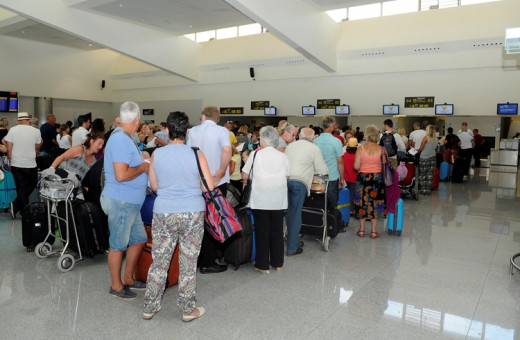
<point x="399" y="233"/>
<point x="326" y="243"/>
<point x="42" y="250"/>
<point x="66" y="263"/>
<point x="389" y="231"/>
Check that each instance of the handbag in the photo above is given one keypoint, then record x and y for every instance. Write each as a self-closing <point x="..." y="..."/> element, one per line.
<point x="220" y="219"/>
<point x="387" y="170"/>
<point x="246" y="193"/>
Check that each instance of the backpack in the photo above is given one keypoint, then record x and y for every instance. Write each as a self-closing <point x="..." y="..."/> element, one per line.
<point x="388" y="141"/>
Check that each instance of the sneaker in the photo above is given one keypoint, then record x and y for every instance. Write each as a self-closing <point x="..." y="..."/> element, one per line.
<point x="148" y="316"/>
<point x="12" y="213"/>
<point x="124" y="293"/>
<point x="137" y="285"/>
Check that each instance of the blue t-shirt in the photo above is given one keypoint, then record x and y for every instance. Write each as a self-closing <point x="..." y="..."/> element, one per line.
<point x="48" y="133"/>
<point x="122" y="149"/>
<point x="331" y="149"/>
<point x="179" y="181"/>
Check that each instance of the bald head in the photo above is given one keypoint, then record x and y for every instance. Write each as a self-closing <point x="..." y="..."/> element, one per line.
<point x="307" y="134"/>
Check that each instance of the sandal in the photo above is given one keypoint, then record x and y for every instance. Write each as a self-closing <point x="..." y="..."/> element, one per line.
<point x="361" y="233"/>
<point x="374" y="234"/>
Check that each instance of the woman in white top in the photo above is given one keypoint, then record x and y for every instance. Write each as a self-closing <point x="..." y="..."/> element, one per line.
<point x="427" y="160"/>
<point x="401" y="153"/>
<point x="148" y="138"/>
<point x="268" y="199"/>
<point x="63" y="138"/>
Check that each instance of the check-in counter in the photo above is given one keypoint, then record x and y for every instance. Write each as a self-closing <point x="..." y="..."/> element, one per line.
<point x="504" y="160"/>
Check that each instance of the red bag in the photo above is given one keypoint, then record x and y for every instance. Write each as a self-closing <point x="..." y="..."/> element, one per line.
<point x="145" y="261"/>
<point x="436" y="178"/>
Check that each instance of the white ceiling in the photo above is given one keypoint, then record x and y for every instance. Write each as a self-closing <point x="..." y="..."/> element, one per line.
<point x="177" y="17"/>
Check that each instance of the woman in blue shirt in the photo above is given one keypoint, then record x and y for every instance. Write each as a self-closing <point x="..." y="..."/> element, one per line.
<point x="178" y="217"/>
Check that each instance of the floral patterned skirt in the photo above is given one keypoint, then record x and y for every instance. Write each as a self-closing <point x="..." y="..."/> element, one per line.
<point x="370" y="196"/>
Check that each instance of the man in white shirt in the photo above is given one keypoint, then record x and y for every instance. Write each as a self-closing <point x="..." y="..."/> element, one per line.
<point x="80" y="135"/>
<point x="416" y="136"/>
<point x="399" y="144"/>
<point x="213" y="140"/>
<point x="305" y="160"/>
<point x="466" y="148"/>
<point x="23" y="144"/>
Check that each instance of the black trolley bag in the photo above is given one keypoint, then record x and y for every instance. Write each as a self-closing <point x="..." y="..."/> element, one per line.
<point x="314" y="216"/>
<point x="239" y="248"/>
<point x="35" y="226"/>
<point x="90" y="226"/>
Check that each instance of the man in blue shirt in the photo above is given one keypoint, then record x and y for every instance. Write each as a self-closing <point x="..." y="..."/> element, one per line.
<point x="126" y="179"/>
<point x="332" y="152"/>
<point x="48" y="132"/>
<point x="213" y="141"/>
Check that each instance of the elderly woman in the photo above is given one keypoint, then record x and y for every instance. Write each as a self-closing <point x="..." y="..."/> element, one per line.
<point x="178" y="217"/>
<point x="427" y="160"/>
<point x="268" y="200"/>
<point x="370" y="190"/>
<point x="287" y="136"/>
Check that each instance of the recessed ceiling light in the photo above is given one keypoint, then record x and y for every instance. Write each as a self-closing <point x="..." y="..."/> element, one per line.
<point x="121" y="5"/>
<point x="190" y="26"/>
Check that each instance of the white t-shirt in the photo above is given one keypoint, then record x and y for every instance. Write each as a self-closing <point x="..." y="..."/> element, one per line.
<point x="270" y="172"/>
<point x="465" y="140"/>
<point x="24" y="139"/>
<point x="417" y="137"/>
<point x="79" y="136"/>
<point x="63" y="142"/>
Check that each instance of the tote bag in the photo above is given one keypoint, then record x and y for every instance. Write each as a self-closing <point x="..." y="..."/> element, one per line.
<point x="387" y="170"/>
<point x="220" y="219"/>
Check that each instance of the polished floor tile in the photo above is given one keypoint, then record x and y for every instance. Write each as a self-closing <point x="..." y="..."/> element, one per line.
<point x="446" y="277"/>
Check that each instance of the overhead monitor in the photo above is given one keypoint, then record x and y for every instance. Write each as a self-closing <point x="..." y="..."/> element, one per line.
<point x="507" y="109"/>
<point x="270" y="111"/>
<point x="391" y="109"/>
<point x="444" y="109"/>
<point x="308" y="110"/>
<point x="343" y="110"/>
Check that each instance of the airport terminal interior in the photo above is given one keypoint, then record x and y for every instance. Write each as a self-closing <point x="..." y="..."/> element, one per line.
<point x="447" y="276"/>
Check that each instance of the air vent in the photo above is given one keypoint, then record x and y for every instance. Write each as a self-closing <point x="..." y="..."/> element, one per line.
<point x="426" y="49"/>
<point x="295" y="61"/>
<point x="374" y="53"/>
<point x="256" y="65"/>
<point x="488" y="44"/>
<point x="221" y="68"/>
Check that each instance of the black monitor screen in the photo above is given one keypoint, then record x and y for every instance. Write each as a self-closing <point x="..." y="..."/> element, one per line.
<point x="308" y="110"/>
<point x="444" y="109"/>
<point x="391" y="109"/>
<point x="342" y="109"/>
<point x="270" y="111"/>
<point x="507" y="109"/>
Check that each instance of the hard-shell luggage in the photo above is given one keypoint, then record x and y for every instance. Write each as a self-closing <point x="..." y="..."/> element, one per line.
<point x="90" y="226"/>
<point x="457" y="175"/>
<point x="444" y="172"/>
<point x="344" y="205"/>
<point x="395" y="221"/>
<point x="7" y="190"/>
<point x="435" y="179"/>
<point x="35" y="225"/>
<point x="145" y="261"/>
<point x="239" y="248"/>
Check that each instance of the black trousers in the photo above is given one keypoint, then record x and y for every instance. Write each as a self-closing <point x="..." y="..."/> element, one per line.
<point x="211" y="249"/>
<point x="269" y="238"/>
<point x="465" y="155"/>
<point x="25" y="180"/>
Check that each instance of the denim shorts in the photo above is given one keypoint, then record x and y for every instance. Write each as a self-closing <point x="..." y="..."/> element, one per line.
<point x="125" y="223"/>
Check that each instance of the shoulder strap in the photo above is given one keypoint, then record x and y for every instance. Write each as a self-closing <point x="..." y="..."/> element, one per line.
<point x="250" y="175"/>
<point x="195" y="150"/>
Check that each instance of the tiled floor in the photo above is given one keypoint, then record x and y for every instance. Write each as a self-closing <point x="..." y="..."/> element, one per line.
<point x="446" y="277"/>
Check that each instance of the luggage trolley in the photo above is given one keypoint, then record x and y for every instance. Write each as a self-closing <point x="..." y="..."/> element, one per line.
<point x="314" y="212"/>
<point x="55" y="190"/>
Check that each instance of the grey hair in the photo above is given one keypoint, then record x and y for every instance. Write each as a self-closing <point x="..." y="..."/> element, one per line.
<point x="270" y="136"/>
<point x="128" y="112"/>
<point x="289" y="128"/>
<point x="307" y="134"/>
<point x="328" y="121"/>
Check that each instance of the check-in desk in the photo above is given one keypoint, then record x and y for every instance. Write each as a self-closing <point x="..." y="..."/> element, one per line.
<point x="506" y="158"/>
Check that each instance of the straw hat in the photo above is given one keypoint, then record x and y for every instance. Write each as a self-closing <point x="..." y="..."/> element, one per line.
<point x="23" y="116"/>
<point x="352" y="142"/>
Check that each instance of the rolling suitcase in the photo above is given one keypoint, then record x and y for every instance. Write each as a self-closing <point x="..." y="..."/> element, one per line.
<point x="239" y="249"/>
<point x="457" y="176"/>
<point x="7" y="190"/>
<point x="145" y="261"/>
<point x="435" y="179"/>
<point x="444" y="172"/>
<point x="312" y="220"/>
<point x="344" y="205"/>
<point x="395" y="221"/>
<point x="90" y="226"/>
<point x="35" y="226"/>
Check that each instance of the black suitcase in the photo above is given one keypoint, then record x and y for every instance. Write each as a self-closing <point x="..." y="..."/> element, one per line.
<point x="313" y="218"/>
<point x="35" y="225"/>
<point x="239" y="248"/>
<point x="457" y="175"/>
<point x="92" y="232"/>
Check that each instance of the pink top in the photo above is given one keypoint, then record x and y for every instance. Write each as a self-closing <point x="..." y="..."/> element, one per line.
<point x="370" y="164"/>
